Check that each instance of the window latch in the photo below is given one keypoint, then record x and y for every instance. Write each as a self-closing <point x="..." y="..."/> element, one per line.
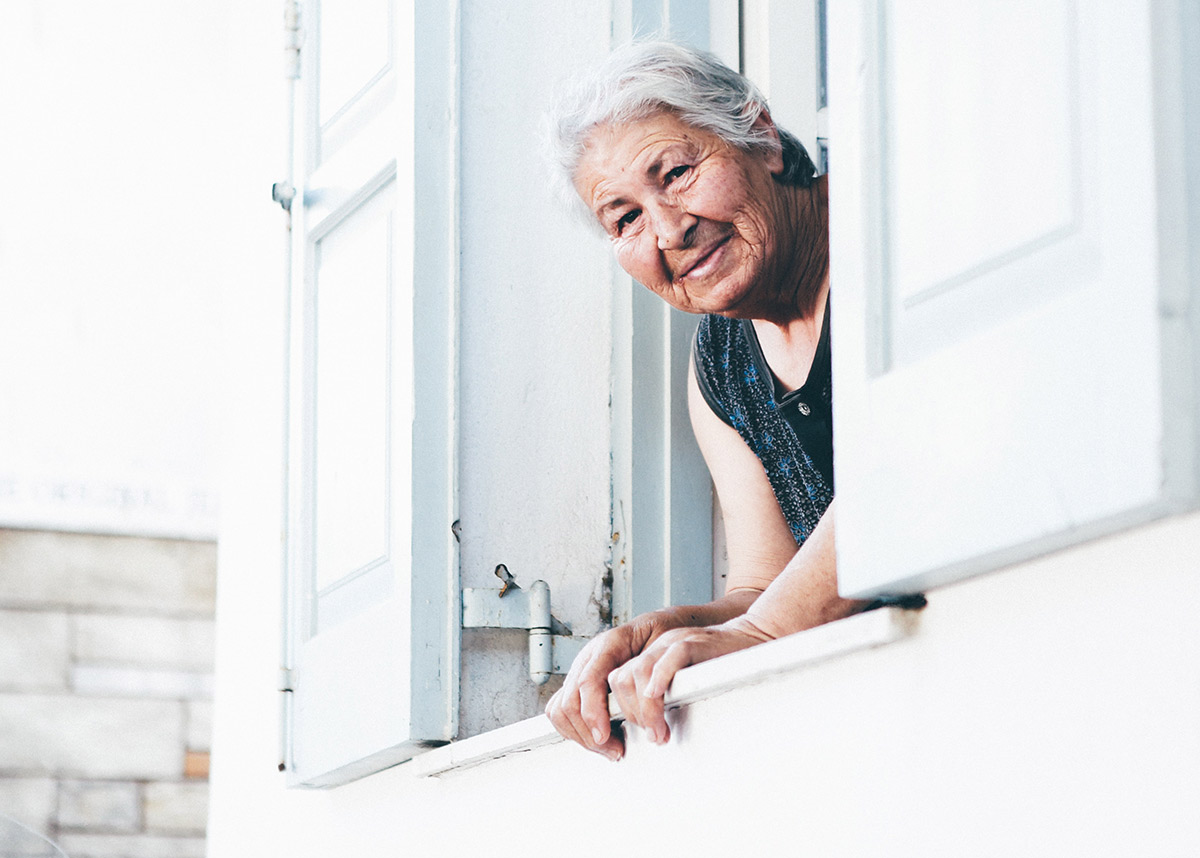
<point x="510" y="607"/>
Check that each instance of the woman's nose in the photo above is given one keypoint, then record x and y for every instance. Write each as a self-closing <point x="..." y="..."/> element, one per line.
<point x="674" y="227"/>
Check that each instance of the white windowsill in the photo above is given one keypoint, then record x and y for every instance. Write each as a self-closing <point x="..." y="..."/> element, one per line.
<point x="739" y="669"/>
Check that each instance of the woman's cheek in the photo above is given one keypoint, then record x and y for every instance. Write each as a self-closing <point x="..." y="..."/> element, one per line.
<point x="632" y="257"/>
<point x="627" y="257"/>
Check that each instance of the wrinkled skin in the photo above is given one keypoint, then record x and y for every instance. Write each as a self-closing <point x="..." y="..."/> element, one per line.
<point x="579" y="710"/>
<point x="702" y="224"/>
<point x="707" y="228"/>
<point x="641" y="684"/>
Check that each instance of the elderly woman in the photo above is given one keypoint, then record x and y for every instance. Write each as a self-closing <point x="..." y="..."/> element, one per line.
<point x="711" y="205"/>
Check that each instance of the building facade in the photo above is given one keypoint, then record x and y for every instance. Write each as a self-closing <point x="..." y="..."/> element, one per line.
<point x="457" y="378"/>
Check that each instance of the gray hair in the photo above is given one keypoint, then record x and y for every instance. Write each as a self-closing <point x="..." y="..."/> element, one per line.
<point x="641" y="79"/>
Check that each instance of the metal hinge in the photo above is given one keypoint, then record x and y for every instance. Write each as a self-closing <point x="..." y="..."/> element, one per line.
<point x="291" y="39"/>
<point x="286" y="689"/>
<point x="510" y="607"/>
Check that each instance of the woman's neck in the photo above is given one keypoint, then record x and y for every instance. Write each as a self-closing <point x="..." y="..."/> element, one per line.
<point x="789" y="331"/>
<point x="789" y="347"/>
<point x="802" y="278"/>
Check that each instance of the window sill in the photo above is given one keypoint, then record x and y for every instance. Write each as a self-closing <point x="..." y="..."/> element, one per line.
<point x="709" y="679"/>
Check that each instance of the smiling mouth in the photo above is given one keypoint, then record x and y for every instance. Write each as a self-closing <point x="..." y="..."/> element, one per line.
<point x="702" y="263"/>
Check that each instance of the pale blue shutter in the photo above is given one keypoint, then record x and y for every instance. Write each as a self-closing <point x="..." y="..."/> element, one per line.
<point x="372" y="585"/>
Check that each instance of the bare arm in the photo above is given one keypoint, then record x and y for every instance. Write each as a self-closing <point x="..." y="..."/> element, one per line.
<point x="802" y="595"/>
<point x="760" y="545"/>
<point x="757" y="536"/>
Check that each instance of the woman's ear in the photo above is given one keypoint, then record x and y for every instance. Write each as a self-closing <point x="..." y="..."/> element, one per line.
<point x="774" y="152"/>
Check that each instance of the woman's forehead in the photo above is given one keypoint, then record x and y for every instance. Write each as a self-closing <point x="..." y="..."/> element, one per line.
<point x="635" y="150"/>
<point x="625" y="138"/>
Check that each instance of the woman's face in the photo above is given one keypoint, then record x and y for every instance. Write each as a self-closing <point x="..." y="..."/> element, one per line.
<point x="689" y="216"/>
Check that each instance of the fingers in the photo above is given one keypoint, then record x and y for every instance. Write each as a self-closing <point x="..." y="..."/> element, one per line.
<point x="579" y="710"/>
<point x="563" y="711"/>
<point x="625" y="692"/>
<point x="593" y="709"/>
<point x="679" y="655"/>
<point x="639" y="686"/>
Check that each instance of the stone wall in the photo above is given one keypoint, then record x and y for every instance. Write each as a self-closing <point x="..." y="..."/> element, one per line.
<point x="106" y="651"/>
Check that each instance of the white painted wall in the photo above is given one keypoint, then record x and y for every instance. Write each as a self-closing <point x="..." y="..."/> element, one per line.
<point x="116" y="163"/>
<point x="1047" y="709"/>
<point x="138" y="140"/>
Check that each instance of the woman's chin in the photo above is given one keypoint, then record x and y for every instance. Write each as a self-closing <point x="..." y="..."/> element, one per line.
<point x="731" y="303"/>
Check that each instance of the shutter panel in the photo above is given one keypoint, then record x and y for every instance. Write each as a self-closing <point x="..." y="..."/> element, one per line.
<point x="372" y="592"/>
<point x="1010" y="258"/>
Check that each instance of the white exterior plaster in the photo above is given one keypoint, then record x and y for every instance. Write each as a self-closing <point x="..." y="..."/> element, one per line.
<point x="107" y="271"/>
<point x="1046" y="709"/>
<point x="1051" y="708"/>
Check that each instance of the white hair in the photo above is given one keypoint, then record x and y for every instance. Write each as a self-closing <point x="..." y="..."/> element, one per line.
<point x="641" y="79"/>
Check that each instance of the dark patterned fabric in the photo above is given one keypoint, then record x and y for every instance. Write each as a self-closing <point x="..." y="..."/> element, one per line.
<point x="791" y="432"/>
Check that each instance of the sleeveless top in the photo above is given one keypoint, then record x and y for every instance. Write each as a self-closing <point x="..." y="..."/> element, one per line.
<point x="791" y="433"/>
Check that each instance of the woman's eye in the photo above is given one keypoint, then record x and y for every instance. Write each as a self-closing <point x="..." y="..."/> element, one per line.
<point x="674" y="174"/>
<point x="627" y="219"/>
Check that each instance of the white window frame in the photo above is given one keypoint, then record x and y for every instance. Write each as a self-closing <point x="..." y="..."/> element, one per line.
<point x="665" y="542"/>
<point x="661" y="492"/>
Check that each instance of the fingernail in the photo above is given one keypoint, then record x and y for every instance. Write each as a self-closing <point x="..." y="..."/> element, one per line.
<point x="597" y="735"/>
<point x="613" y="756"/>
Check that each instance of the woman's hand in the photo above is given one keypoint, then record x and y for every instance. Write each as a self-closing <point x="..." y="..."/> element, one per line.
<point x="803" y="596"/>
<point x="640" y="684"/>
<point x="579" y="710"/>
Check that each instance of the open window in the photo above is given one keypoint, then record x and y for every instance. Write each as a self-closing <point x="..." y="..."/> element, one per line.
<point x="448" y="369"/>
<point x="664" y="526"/>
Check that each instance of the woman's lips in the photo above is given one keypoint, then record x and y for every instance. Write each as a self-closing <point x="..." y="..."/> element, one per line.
<point x="707" y="260"/>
